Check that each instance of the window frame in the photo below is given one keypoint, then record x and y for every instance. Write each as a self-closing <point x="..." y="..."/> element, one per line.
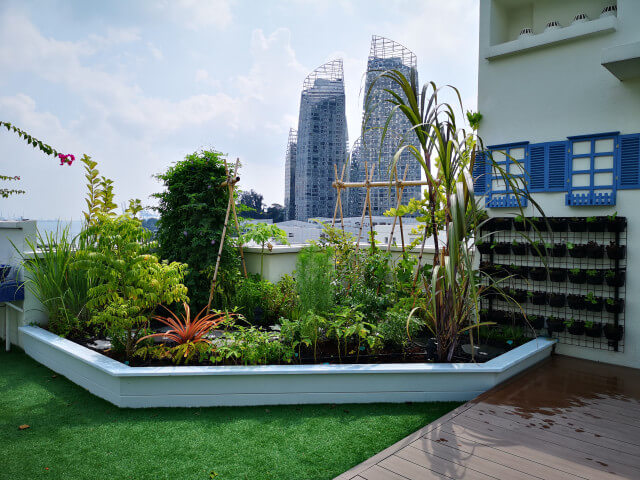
<point x="505" y="198"/>
<point x="588" y="195"/>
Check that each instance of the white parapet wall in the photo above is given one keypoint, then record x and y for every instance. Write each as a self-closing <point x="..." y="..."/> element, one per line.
<point x="13" y="236"/>
<point x="281" y="259"/>
<point x="180" y="386"/>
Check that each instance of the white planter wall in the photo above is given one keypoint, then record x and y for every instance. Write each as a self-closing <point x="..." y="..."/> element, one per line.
<point x="140" y="387"/>
<point x="560" y="89"/>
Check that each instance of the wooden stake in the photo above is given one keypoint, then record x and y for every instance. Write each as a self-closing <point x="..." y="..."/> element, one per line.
<point x="235" y="216"/>
<point x="399" y="192"/>
<point x="366" y="200"/>
<point x="338" y="200"/>
<point x="224" y="232"/>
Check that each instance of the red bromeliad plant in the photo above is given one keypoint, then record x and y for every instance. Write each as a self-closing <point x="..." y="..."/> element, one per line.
<point x="184" y="330"/>
<point x="189" y="335"/>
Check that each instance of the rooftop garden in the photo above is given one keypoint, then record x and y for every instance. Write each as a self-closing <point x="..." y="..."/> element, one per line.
<point x="183" y="296"/>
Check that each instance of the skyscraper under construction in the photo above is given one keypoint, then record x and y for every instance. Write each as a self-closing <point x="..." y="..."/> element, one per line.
<point x="384" y="55"/>
<point x="321" y="142"/>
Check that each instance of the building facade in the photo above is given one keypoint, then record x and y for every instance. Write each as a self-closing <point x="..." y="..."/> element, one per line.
<point x="321" y="141"/>
<point x="290" y="175"/>
<point x="559" y="91"/>
<point x="384" y="55"/>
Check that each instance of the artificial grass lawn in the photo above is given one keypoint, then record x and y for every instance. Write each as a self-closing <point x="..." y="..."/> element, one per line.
<point x="74" y="435"/>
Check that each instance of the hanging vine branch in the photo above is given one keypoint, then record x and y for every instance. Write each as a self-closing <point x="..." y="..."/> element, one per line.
<point x="44" y="148"/>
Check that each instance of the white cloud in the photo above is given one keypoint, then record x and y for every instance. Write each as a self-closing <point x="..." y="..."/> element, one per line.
<point x="199" y="14"/>
<point x="155" y="51"/>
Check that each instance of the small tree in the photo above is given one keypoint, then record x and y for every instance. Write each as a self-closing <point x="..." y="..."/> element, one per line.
<point x="131" y="282"/>
<point x="192" y="210"/>
<point x="262" y="234"/>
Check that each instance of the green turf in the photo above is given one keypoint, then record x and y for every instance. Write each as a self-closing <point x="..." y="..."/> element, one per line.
<point x="74" y="435"/>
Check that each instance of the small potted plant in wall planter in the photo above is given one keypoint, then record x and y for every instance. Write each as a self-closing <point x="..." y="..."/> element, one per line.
<point x="593" y="303"/>
<point x="558" y="224"/>
<point x="615" y="278"/>
<point x="488" y="268"/>
<point x="575" y="327"/>
<point x="577" y="276"/>
<point x="616" y="223"/>
<point x="615" y="251"/>
<point x="483" y="247"/>
<point x="519" y="271"/>
<point x="536" y="321"/>
<point x="501" y="317"/>
<point x="596" y="224"/>
<point x="557" y="275"/>
<point x="518" y="295"/>
<point x="502" y="248"/>
<point x="555" y="324"/>
<point x="578" y="224"/>
<point x="518" y="248"/>
<point x="613" y="332"/>
<point x="593" y="330"/>
<point x="613" y="305"/>
<point x="484" y="315"/>
<point x="502" y="271"/>
<point x="521" y="224"/>
<point x="557" y="300"/>
<point x="539" y="224"/>
<point x="557" y="250"/>
<point x="501" y="223"/>
<point x="594" y="250"/>
<point x="538" y="249"/>
<point x="538" y="298"/>
<point x="576" y="302"/>
<point x="538" y="273"/>
<point x="595" y="277"/>
<point x="576" y="251"/>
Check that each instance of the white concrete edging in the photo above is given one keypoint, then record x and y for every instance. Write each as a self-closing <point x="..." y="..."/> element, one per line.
<point x="141" y="387"/>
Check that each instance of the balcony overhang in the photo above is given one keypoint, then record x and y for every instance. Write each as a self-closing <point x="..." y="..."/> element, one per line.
<point x="623" y="61"/>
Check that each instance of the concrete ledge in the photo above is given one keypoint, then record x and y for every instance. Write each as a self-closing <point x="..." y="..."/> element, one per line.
<point x="545" y="39"/>
<point x="140" y="387"/>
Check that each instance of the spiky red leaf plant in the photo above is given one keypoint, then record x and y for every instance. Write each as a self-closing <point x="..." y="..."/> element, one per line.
<point x="184" y="330"/>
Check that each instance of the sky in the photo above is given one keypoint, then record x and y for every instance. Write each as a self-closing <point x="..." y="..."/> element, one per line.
<point x="139" y="85"/>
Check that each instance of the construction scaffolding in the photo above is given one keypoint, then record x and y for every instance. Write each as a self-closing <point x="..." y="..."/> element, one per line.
<point x="290" y="175"/>
<point x="321" y="141"/>
<point x="384" y="55"/>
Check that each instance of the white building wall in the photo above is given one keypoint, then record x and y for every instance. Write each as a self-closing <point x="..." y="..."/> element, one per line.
<point x="547" y="91"/>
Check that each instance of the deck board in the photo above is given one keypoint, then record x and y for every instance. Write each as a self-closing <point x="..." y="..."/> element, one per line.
<point x="564" y="419"/>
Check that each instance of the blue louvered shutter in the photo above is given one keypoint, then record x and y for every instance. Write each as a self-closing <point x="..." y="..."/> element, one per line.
<point x="537" y="170"/>
<point x="480" y="174"/>
<point x="629" y="171"/>
<point x="556" y="166"/>
<point x="547" y="167"/>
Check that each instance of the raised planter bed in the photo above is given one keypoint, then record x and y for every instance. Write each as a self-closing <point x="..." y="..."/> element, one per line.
<point x="141" y="387"/>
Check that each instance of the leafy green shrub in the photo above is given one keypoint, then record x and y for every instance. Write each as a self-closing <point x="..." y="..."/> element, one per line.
<point x="58" y="282"/>
<point x="262" y="233"/>
<point x="192" y="211"/>
<point x="397" y="329"/>
<point x="314" y="269"/>
<point x="251" y="346"/>
<point x="255" y="299"/>
<point x="130" y="282"/>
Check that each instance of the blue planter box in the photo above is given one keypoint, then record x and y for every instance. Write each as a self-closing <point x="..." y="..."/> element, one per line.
<point x="11" y="291"/>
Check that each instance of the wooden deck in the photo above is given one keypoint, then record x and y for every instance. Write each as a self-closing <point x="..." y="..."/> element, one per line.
<point x="563" y="419"/>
